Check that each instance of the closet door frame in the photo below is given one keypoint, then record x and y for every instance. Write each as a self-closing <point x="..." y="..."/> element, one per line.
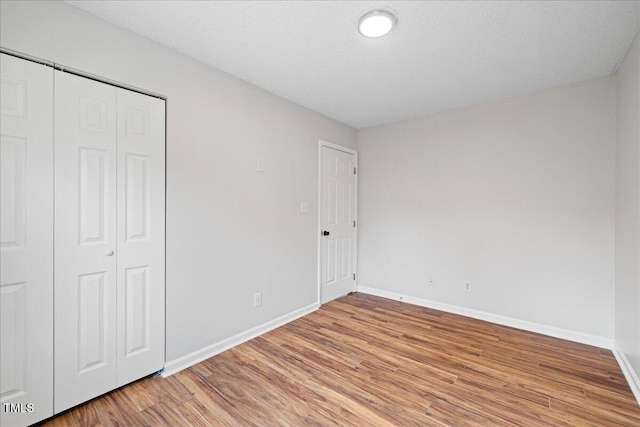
<point x="110" y="230"/>
<point x="134" y="356"/>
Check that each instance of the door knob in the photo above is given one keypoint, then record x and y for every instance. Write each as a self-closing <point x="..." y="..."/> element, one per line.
<point x="325" y="233"/>
<point x="109" y="253"/>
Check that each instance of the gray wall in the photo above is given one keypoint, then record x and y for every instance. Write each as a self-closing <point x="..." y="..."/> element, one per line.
<point x="627" y="315"/>
<point x="516" y="196"/>
<point x="231" y="231"/>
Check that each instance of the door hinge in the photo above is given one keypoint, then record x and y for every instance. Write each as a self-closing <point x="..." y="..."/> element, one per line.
<point x="354" y="171"/>
<point x="354" y="276"/>
<point x="354" y="222"/>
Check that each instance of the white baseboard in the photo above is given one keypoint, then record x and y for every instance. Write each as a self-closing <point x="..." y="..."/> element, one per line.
<point x="198" y="356"/>
<point x="494" y="318"/>
<point x="628" y="371"/>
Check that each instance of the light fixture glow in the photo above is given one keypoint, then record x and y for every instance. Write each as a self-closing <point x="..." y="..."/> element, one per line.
<point x="376" y="23"/>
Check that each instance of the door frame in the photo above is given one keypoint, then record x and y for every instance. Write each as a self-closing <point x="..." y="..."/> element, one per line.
<point x="323" y="143"/>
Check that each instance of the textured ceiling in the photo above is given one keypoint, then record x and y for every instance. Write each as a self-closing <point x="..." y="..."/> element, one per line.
<point x="442" y="55"/>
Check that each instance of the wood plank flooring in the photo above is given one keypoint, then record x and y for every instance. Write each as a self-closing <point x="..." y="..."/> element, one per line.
<point x="368" y="361"/>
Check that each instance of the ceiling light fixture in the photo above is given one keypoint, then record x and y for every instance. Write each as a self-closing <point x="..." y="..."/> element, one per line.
<point x="377" y="23"/>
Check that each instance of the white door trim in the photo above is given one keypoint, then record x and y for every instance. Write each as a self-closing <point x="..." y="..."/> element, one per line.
<point x="323" y="143"/>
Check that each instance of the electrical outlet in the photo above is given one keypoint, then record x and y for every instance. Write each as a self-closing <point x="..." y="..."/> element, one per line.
<point x="467" y="286"/>
<point x="431" y="282"/>
<point x="260" y="165"/>
<point x="304" y="207"/>
<point x="257" y="299"/>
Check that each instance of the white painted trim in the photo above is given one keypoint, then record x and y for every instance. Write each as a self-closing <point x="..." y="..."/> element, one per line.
<point x="198" y="356"/>
<point x="323" y="143"/>
<point x="495" y="318"/>
<point x="319" y="223"/>
<point x="628" y="371"/>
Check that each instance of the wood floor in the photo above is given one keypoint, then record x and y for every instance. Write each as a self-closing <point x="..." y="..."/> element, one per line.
<point x="368" y="361"/>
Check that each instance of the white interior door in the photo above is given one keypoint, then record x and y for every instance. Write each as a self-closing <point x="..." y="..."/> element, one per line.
<point x="26" y="242"/>
<point x="141" y="152"/>
<point x="85" y="239"/>
<point x="337" y="222"/>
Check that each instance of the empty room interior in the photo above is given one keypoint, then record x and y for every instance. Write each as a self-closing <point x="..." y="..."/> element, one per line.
<point x="320" y="213"/>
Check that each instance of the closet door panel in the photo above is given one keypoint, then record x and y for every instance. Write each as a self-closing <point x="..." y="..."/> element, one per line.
<point x="85" y="239"/>
<point x="141" y="201"/>
<point x="26" y="242"/>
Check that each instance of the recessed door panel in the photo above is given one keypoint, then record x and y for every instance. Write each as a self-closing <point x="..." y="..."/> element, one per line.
<point x="137" y="124"/>
<point x="92" y="187"/>
<point x="136" y="310"/>
<point x="137" y="196"/>
<point x="26" y="241"/>
<point x="13" y="187"/>
<point x="13" y="330"/>
<point x="93" y="114"/>
<point x="337" y="218"/>
<point x="13" y="96"/>
<point x="332" y="261"/>
<point x="345" y="261"/>
<point x="92" y="325"/>
<point x="343" y="204"/>
<point x="332" y="202"/>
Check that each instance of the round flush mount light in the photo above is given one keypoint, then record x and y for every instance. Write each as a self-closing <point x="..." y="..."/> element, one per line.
<point x="377" y="23"/>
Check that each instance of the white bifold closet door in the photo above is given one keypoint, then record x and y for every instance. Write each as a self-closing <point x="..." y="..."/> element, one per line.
<point x="109" y="238"/>
<point x="26" y="242"/>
